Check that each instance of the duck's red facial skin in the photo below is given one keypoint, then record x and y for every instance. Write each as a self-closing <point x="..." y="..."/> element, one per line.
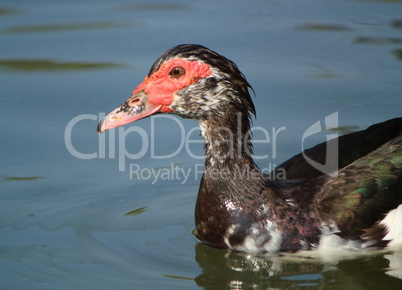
<point x="161" y="85"/>
<point x="156" y="92"/>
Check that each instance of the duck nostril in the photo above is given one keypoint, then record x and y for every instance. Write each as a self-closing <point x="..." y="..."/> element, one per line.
<point x="134" y="102"/>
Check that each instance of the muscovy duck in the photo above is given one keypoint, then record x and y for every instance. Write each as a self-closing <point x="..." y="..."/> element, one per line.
<point x="359" y="207"/>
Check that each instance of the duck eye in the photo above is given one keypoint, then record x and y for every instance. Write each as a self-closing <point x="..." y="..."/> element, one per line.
<point x="177" y="72"/>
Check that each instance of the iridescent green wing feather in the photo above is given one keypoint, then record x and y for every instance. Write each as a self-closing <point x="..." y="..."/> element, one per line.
<point x="363" y="192"/>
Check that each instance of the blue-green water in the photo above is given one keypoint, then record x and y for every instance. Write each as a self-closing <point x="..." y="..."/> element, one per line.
<point x="102" y="221"/>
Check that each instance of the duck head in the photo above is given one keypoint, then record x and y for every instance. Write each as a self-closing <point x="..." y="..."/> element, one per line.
<point x="190" y="81"/>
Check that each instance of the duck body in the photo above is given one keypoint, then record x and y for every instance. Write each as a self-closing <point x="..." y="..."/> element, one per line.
<point x="347" y="210"/>
<point x="239" y="207"/>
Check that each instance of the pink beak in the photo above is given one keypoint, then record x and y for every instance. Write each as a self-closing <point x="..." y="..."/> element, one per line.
<point x="135" y="108"/>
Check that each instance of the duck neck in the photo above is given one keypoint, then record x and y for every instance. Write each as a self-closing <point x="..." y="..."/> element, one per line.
<point x="228" y="153"/>
<point x="230" y="189"/>
<point x="227" y="140"/>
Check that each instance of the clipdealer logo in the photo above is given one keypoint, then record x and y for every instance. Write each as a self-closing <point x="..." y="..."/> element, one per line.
<point x="107" y="147"/>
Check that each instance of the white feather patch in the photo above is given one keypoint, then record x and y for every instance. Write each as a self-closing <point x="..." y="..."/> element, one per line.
<point x="393" y="222"/>
<point x="257" y="241"/>
<point x="330" y="241"/>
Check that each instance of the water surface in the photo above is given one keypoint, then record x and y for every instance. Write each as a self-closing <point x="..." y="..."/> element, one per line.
<point x="90" y="222"/>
